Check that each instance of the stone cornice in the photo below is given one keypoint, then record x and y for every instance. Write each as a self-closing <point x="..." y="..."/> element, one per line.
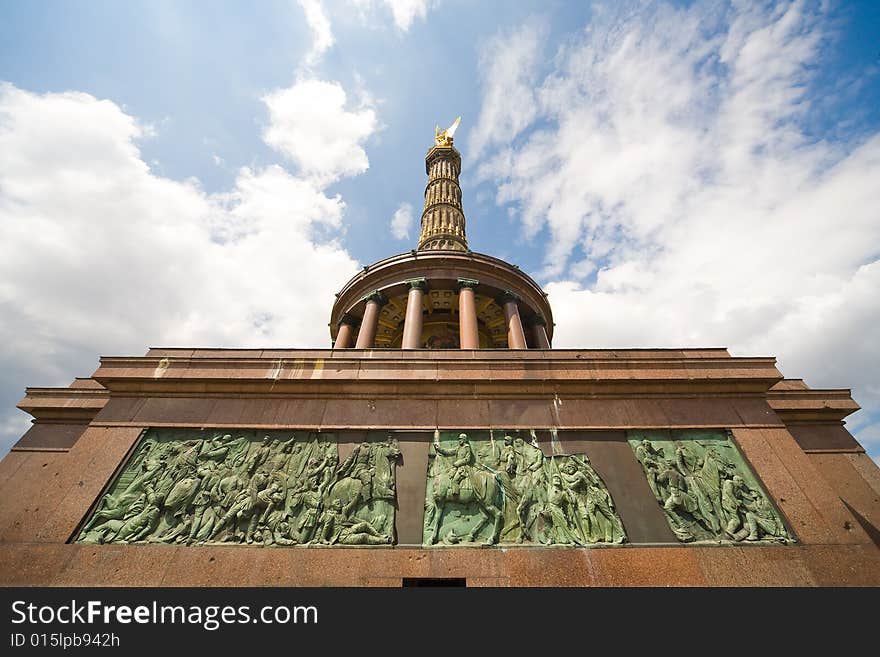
<point x="73" y="405"/>
<point x="440" y="373"/>
<point x="795" y="404"/>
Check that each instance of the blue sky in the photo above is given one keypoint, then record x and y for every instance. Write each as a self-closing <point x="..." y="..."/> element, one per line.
<point x="674" y="174"/>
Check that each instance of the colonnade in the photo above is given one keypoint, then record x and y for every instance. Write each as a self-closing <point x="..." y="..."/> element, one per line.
<point x="414" y="319"/>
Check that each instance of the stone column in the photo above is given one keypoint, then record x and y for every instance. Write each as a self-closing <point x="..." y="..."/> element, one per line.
<point x="375" y="300"/>
<point x="516" y="339"/>
<point x="346" y="330"/>
<point x="539" y="332"/>
<point x="412" y="324"/>
<point x="469" y="338"/>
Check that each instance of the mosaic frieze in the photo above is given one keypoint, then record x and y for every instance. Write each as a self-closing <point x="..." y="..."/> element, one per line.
<point x="269" y="488"/>
<point x="705" y="488"/>
<point x="483" y="489"/>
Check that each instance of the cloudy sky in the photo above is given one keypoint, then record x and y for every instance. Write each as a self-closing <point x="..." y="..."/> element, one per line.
<point x="210" y="173"/>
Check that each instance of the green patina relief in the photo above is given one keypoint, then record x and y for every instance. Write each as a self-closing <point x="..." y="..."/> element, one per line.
<point x="271" y="488"/>
<point x="707" y="491"/>
<point x="485" y="490"/>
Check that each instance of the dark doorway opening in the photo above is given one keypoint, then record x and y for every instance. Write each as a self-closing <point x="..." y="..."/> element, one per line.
<point x="434" y="581"/>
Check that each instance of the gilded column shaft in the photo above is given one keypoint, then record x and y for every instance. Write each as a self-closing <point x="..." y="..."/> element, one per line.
<point x="443" y="222"/>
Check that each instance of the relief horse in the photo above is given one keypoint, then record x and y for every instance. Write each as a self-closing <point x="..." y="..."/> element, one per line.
<point x="480" y="488"/>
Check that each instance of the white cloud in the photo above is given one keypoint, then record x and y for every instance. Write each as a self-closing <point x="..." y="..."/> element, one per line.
<point x="311" y="126"/>
<point x="99" y="255"/>
<point x="402" y="221"/>
<point x="404" y="12"/>
<point x="322" y="32"/>
<point x="508" y="70"/>
<point x="665" y="155"/>
<point x="14" y="425"/>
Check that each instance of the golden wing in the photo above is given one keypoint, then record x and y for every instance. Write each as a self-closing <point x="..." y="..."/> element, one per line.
<point x="451" y="129"/>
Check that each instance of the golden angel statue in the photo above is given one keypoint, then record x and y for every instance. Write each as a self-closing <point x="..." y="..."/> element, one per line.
<point x="444" y="137"/>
